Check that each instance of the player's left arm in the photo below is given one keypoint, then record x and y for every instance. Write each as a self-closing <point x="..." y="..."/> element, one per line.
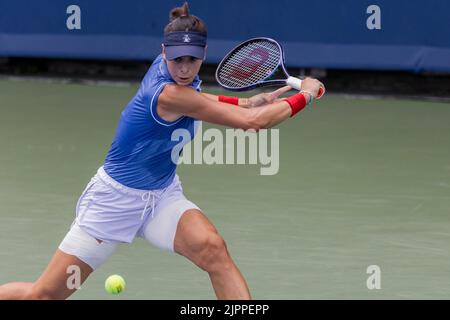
<point x="258" y="100"/>
<point x="242" y="102"/>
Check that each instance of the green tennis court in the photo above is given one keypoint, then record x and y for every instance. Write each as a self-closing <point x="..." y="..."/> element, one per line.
<point x="361" y="182"/>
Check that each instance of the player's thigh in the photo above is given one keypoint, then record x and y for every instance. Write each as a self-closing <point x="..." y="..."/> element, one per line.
<point x="86" y="248"/>
<point x="162" y="230"/>
<point x="78" y="255"/>
<point x="194" y="232"/>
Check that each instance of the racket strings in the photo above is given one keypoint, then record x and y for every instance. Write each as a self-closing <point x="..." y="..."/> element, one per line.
<point x="250" y="64"/>
<point x="245" y="66"/>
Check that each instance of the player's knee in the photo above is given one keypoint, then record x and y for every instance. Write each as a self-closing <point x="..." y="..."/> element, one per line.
<point x="214" y="254"/>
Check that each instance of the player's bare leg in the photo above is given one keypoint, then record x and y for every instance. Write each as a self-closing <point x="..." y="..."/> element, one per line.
<point x="54" y="283"/>
<point x="198" y="240"/>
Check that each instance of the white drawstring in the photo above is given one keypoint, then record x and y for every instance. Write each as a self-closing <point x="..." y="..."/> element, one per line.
<point x="146" y="197"/>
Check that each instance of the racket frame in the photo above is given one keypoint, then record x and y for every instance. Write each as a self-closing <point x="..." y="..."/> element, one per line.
<point x="292" y="81"/>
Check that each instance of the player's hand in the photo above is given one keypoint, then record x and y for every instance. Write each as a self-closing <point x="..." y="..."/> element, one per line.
<point x="312" y="86"/>
<point x="267" y="97"/>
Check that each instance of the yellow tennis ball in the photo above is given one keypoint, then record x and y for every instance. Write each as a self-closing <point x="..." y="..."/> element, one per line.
<point x="114" y="284"/>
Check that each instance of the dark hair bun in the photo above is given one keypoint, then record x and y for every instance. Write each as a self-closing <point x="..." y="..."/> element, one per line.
<point x="179" y="12"/>
<point x="182" y="20"/>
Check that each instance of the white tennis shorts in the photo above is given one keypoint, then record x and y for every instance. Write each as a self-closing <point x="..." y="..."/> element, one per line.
<point x="109" y="213"/>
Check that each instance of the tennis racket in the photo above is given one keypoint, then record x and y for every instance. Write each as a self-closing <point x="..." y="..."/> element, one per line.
<point x="258" y="62"/>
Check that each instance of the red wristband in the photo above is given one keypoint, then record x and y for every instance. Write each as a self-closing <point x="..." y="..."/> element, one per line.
<point x="230" y="100"/>
<point x="297" y="102"/>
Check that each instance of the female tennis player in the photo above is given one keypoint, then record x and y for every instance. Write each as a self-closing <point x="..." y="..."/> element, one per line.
<point x="137" y="193"/>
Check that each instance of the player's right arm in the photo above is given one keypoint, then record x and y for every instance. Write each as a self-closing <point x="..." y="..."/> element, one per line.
<point x="186" y="101"/>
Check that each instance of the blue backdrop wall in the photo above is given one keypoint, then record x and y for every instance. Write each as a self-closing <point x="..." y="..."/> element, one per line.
<point x="414" y="35"/>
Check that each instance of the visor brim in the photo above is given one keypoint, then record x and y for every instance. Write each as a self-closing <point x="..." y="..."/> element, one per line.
<point x="173" y="52"/>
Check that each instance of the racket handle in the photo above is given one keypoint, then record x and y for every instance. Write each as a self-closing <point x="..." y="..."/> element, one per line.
<point x="295" y="83"/>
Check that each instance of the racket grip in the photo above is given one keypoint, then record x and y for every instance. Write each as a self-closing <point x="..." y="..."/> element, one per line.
<point x="295" y="83"/>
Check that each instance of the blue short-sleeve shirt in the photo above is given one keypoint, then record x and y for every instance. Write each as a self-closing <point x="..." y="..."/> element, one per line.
<point x="140" y="156"/>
